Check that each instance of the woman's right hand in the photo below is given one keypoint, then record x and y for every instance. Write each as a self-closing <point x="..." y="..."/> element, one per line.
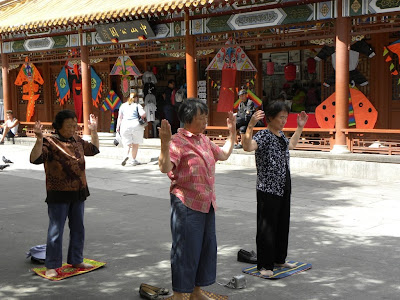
<point x="37" y="129"/>
<point x="257" y="116"/>
<point x="164" y="132"/>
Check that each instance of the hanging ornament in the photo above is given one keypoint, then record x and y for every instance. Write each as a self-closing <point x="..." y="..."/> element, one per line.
<point x="155" y="70"/>
<point x="178" y="66"/>
<point x="270" y="67"/>
<point x="311" y="65"/>
<point x="290" y="72"/>
<point x="169" y="66"/>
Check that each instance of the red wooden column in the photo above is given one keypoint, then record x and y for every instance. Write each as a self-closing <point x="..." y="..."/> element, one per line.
<point x="86" y="89"/>
<point x="191" y="68"/>
<point x="6" y="84"/>
<point x="342" y="80"/>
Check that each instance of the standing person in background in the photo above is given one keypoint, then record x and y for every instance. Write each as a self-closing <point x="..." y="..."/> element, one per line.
<point x="168" y="105"/>
<point x="63" y="156"/>
<point x="273" y="183"/>
<point x="299" y="99"/>
<point x="189" y="158"/>
<point x="129" y="128"/>
<point x="245" y="110"/>
<point x="10" y="128"/>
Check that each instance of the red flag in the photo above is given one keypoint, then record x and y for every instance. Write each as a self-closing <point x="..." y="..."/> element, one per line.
<point x="226" y="97"/>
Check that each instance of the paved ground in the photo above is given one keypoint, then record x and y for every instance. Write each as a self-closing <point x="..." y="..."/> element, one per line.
<point x="347" y="228"/>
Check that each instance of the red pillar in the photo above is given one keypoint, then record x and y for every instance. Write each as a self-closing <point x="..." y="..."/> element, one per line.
<point x="6" y="84"/>
<point x="342" y="80"/>
<point x="86" y="88"/>
<point x="191" y="68"/>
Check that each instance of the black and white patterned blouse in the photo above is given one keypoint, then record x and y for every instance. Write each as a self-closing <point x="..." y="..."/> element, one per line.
<point x="272" y="162"/>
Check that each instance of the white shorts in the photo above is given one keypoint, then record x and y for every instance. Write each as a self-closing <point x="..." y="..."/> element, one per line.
<point x="132" y="134"/>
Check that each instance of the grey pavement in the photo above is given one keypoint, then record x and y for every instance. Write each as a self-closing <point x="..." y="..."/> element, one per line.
<point x="347" y="228"/>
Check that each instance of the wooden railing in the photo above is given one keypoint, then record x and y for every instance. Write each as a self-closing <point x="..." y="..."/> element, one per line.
<point x="317" y="139"/>
<point x="379" y="141"/>
<point x="26" y="129"/>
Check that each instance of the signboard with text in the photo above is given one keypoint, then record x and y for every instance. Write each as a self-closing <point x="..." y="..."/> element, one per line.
<point x="124" y="30"/>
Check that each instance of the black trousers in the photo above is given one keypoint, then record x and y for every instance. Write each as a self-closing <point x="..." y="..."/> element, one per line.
<point x="273" y="219"/>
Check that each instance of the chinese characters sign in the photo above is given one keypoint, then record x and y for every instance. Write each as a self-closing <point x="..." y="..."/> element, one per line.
<point x="124" y="30"/>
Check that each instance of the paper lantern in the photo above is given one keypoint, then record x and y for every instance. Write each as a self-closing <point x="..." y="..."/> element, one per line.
<point x="270" y="68"/>
<point x="155" y="70"/>
<point x="311" y="65"/>
<point x="290" y="72"/>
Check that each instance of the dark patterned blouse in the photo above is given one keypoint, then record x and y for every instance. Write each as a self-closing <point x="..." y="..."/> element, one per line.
<point x="272" y="162"/>
<point x="64" y="165"/>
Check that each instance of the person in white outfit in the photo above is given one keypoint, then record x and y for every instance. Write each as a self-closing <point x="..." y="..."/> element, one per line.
<point x="10" y="128"/>
<point x="129" y="127"/>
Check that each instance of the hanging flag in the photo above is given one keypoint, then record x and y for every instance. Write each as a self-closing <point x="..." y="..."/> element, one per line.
<point x="97" y="87"/>
<point x="62" y="86"/>
<point x="257" y="101"/>
<point x="236" y="104"/>
<point x="352" y="120"/>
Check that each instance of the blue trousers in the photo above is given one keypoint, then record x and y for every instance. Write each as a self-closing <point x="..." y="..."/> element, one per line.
<point x="58" y="213"/>
<point x="194" y="247"/>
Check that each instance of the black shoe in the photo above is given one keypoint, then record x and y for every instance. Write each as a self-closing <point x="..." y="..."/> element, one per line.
<point x="158" y="290"/>
<point x="124" y="161"/>
<point x="247" y="257"/>
<point x="147" y="293"/>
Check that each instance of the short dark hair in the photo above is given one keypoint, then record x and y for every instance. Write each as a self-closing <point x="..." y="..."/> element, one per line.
<point x="9" y="112"/>
<point x="61" y="116"/>
<point x="274" y="108"/>
<point x="189" y="108"/>
<point x="171" y="81"/>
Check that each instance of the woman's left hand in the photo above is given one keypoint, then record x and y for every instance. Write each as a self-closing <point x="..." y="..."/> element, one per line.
<point x="231" y="122"/>
<point x="302" y="119"/>
<point x="92" y="122"/>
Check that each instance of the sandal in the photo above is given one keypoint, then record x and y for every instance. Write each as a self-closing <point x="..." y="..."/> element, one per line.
<point x="158" y="290"/>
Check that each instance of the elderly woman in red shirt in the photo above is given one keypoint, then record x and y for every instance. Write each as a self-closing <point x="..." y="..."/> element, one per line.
<point x="189" y="158"/>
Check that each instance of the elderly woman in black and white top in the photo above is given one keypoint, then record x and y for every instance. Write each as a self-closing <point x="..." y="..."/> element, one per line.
<point x="273" y="183"/>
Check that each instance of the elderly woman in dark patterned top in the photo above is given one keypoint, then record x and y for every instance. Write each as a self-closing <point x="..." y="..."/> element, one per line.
<point x="64" y="163"/>
<point x="273" y="183"/>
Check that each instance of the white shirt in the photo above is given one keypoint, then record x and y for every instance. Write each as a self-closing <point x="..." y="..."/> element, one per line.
<point x="128" y="113"/>
<point x="10" y="123"/>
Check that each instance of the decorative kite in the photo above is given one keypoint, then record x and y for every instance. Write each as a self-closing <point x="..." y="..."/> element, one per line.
<point x="230" y="59"/>
<point x="70" y="79"/>
<point x="112" y="102"/>
<point x="355" y="76"/>
<point x="125" y="67"/>
<point x="395" y="48"/>
<point x="362" y="114"/>
<point x="28" y="76"/>
<point x="250" y="95"/>
<point x="96" y="85"/>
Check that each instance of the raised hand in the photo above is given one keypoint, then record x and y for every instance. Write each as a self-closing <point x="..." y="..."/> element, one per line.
<point x="257" y="116"/>
<point x="231" y="122"/>
<point x="164" y="132"/>
<point x="302" y="119"/>
<point x="93" y="122"/>
<point x="37" y="129"/>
